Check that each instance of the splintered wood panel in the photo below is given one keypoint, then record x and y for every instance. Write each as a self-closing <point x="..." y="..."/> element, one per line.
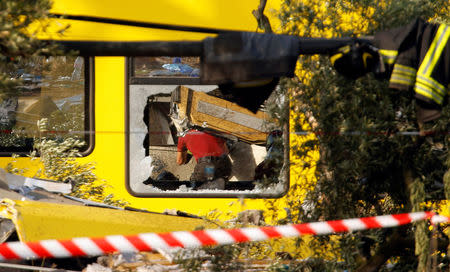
<point x="224" y="116"/>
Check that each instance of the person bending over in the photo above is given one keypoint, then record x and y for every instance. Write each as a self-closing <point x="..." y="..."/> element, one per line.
<point x="211" y="154"/>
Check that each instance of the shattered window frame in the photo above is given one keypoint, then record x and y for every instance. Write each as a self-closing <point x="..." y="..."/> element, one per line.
<point x="144" y="87"/>
<point x="88" y="108"/>
<point x="157" y="137"/>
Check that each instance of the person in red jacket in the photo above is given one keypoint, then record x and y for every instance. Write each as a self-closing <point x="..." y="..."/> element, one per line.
<point x="210" y="152"/>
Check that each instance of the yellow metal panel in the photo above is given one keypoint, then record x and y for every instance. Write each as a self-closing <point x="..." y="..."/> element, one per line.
<point x="109" y="151"/>
<point x="109" y="147"/>
<point x="38" y="220"/>
<point x="87" y="31"/>
<point x="231" y="14"/>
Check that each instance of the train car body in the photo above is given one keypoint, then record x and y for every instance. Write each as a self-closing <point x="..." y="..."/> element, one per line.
<point x="120" y="105"/>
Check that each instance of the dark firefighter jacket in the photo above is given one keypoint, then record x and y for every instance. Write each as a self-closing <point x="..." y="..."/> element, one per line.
<point x="416" y="57"/>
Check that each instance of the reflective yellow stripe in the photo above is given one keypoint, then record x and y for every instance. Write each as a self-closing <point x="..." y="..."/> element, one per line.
<point x="335" y="57"/>
<point x="388" y="55"/>
<point x="402" y="81"/>
<point x="345" y="49"/>
<point x="403" y="75"/>
<point x="366" y="56"/>
<point x="433" y="84"/>
<point x="406" y="77"/>
<point x="435" y="51"/>
<point x="425" y="85"/>
<point x="427" y="92"/>
<point x="389" y="61"/>
<point x="410" y="80"/>
<point x="342" y="50"/>
<point x="405" y="69"/>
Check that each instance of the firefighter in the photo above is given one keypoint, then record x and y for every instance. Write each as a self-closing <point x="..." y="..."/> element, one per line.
<point x="213" y="166"/>
<point x="415" y="57"/>
<point x="418" y="59"/>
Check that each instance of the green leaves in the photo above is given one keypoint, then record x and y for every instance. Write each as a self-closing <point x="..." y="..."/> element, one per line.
<point x="362" y="126"/>
<point x="19" y="22"/>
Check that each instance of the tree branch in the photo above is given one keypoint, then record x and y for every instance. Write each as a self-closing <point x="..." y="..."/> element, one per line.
<point x="263" y="21"/>
<point x="383" y="254"/>
<point x="396" y="245"/>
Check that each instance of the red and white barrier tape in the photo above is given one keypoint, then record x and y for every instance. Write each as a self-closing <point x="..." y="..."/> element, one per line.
<point x="150" y="241"/>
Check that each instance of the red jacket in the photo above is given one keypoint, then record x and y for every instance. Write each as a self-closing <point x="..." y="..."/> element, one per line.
<point x="202" y="144"/>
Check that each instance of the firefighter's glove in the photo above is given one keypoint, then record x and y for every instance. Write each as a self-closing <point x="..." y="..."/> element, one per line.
<point x="355" y="60"/>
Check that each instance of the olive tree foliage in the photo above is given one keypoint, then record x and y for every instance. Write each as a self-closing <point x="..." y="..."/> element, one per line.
<point x="372" y="161"/>
<point x="20" y="23"/>
<point x="18" y="42"/>
<point x="58" y="157"/>
<point x="19" y="46"/>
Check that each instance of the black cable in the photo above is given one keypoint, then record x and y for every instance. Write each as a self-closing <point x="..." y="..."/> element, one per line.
<point x="143" y="24"/>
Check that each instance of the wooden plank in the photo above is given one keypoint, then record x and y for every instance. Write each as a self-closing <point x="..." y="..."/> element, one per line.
<point x="224" y="116"/>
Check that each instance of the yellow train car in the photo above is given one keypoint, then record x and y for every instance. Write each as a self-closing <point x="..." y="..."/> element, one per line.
<point x="121" y="105"/>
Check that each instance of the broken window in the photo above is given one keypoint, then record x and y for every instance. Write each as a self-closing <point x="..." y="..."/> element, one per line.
<point x="186" y="140"/>
<point x="53" y="89"/>
<point x="161" y="130"/>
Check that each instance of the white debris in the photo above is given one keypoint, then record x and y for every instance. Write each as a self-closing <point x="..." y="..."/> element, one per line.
<point x="157" y="268"/>
<point x="95" y="267"/>
<point x="145" y="168"/>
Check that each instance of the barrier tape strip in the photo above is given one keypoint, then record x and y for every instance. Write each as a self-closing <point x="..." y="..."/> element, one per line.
<point x="193" y="239"/>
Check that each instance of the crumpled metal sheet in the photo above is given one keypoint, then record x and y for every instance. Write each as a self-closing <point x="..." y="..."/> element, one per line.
<point x="38" y="210"/>
<point x="36" y="220"/>
<point x="6" y="229"/>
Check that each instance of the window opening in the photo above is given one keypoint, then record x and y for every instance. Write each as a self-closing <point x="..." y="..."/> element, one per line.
<point x="52" y="89"/>
<point x="164" y="115"/>
<point x="163" y="67"/>
<point x="161" y="130"/>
